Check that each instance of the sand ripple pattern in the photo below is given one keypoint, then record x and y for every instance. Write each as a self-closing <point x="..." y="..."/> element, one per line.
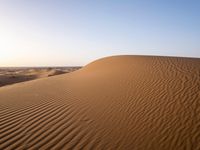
<point x="115" y="103"/>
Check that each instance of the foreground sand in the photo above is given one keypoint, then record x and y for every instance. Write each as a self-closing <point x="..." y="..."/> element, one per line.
<point x="121" y="102"/>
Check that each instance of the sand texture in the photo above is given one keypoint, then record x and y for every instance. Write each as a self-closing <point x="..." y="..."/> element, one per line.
<point x="115" y="103"/>
<point x="15" y="75"/>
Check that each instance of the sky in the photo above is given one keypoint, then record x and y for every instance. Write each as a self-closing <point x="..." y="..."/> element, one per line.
<point x="76" y="32"/>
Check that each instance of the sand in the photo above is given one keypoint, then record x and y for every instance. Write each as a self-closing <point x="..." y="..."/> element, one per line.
<point x="15" y="75"/>
<point x="115" y="103"/>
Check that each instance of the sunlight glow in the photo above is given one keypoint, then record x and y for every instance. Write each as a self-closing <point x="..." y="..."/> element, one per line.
<point x="34" y="33"/>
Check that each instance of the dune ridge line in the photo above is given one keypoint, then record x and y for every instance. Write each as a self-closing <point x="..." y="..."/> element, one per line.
<point x="119" y="102"/>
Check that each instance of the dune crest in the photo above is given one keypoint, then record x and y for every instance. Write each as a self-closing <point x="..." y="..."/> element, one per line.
<point x="119" y="102"/>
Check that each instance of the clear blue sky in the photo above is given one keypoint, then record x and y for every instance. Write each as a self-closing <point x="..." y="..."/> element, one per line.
<point x="76" y="32"/>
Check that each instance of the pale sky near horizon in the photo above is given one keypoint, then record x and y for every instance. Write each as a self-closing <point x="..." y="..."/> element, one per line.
<point x="76" y="32"/>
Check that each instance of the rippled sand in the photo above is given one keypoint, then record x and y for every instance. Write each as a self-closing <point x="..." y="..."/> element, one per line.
<point x="120" y="102"/>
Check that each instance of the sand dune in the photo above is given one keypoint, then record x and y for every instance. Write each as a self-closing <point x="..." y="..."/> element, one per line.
<point x="16" y="75"/>
<point x="120" y="102"/>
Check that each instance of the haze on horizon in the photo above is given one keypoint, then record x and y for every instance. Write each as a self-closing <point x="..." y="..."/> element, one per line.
<point x="67" y="33"/>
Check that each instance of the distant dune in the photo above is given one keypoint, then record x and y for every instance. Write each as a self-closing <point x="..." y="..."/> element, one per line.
<point x="16" y="75"/>
<point x="115" y="103"/>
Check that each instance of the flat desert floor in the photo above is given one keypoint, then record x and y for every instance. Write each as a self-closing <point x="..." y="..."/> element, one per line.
<point x="115" y="103"/>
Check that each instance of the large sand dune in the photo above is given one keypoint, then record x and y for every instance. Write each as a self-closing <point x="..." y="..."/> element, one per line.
<point x="120" y="102"/>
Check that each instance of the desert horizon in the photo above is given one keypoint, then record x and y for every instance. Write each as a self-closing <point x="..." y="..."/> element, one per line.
<point x="99" y="75"/>
<point x="13" y="75"/>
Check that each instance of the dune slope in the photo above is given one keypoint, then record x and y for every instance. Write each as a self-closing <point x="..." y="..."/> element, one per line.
<point x="119" y="102"/>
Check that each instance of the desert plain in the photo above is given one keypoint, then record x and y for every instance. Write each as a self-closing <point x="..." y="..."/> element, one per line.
<point x="11" y="75"/>
<point x="114" y="103"/>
